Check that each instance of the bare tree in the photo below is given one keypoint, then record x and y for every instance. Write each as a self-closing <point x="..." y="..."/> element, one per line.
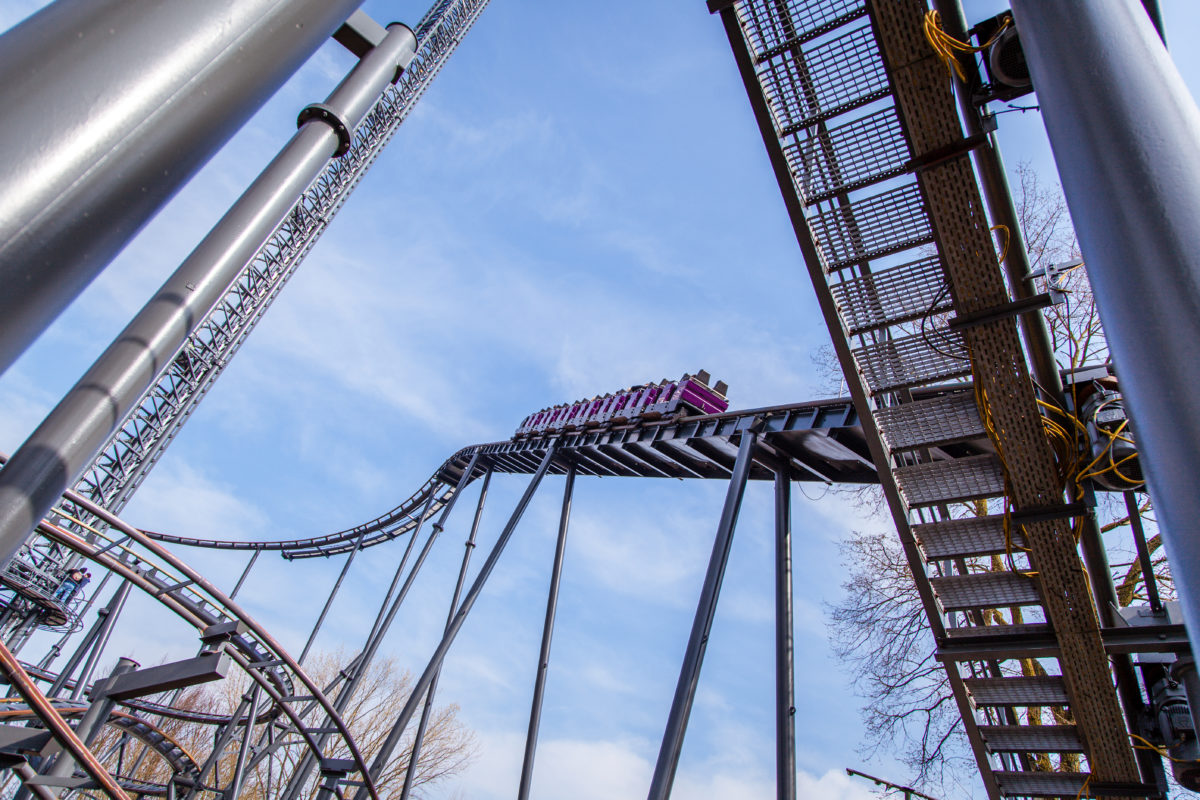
<point x="447" y="749"/>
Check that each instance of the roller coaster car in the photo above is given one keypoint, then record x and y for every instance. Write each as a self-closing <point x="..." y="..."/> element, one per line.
<point x="667" y="399"/>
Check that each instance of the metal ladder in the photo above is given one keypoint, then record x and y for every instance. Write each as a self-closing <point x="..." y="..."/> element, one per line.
<point x="859" y="119"/>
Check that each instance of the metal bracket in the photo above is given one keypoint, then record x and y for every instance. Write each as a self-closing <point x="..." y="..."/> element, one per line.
<point x="1011" y="309"/>
<point x="1032" y="514"/>
<point x="950" y="152"/>
<point x="716" y="6"/>
<point x="322" y="112"/>
<point x="360" y="33"/>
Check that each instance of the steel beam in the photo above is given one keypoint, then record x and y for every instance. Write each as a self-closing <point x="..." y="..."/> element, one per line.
<point x="64" y="444"/>
<point x="785" y="695"/>
<point x="427" y="709"/>
<point x="539" y="683"/>
<point x="1125" y="131"/>
<point x="689" y="674"/>
<point x="110" y="107"/>
<point x="435" y="662"/>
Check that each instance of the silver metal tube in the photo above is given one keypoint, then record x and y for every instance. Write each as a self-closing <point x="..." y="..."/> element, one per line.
<point x="706" y="609"/>
<point x="539" y="683"/>
<point x="110" y="107"/>
<point x="64" y="444"/>
<point x="113" y="611"/>
<point x="1125" y="132"/>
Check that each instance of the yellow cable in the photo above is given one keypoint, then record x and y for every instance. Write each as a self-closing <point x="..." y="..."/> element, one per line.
<point x="947" y="47"/>
<point x="1007" y="240"/>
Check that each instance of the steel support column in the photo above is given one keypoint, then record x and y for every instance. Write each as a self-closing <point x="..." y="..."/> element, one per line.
<point x="422" y="685"/>
<point x="332" y="594"/>
<point x="785" y="696"/>
<point x="689" y="673"/>
<point x="1125" y="132"/>
<point x="539" y="684"/>
<point x="109" y="107"/>
<point x="415" y="757"/>
<point x="60" y="449"/>
<point x="378" y="632"/>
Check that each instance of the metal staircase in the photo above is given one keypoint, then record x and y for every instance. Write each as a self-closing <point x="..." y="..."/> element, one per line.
<point x="859" y="119"/>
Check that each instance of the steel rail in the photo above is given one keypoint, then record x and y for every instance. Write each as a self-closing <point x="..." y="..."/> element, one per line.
<point x="259" y="632"/>
<point x="20" y="680"/>
<point x="823" y="414"/>
<point x="192" y="613"/>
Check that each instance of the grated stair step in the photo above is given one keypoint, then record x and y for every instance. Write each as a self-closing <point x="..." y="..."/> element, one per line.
<point x="892" y="296"/>
<point x="1032" y="738"/>
<point x="1001" y="632"/>
<point x="936" y="421"/>
<point x="828" y="162"/>
<point x="875" y="226"/>
<point x="985" y="590"/>
<point x="1068" y="785"/>
<point x="805" y="86"/>
<point x="923" y="358"/>
<point x="779" y="26"/>
<point x="1018" y="691"/>
<point x="970" y="536"/>
<point x="952" y="481"/>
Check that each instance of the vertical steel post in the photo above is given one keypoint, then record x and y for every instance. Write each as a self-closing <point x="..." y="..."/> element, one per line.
<point x="329" y="600"/>
<point x="422" y="686"/>
<point x="539" y="684"/>
<point x="785" y="696"/>
<point x="88" y="727"/>
<point x="1125" y="133"/>
<point x="363" y="662"/>
<point x="427" y="709"/>
<point x="689" y="673"/>
<point x="104" y="618"/>
<point x="239" y="768"/>
<point x="64" y="444"/>
<point x="110" y="107"/>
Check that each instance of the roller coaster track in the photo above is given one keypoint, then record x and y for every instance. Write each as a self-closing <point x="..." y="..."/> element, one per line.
<point x="860" y="125"/>
<point x="820" y="441"/>
<point x="147" y="566"/>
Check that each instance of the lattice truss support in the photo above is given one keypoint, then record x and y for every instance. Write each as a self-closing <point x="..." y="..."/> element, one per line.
<point x="136" y="446"/>
<point x="859" y="118"/>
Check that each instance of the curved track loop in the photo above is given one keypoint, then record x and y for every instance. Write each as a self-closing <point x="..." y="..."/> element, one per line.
<point x="397" y="522"/>
<point x="175" y="754"/>
<point x="194" y="599"/>
<point x="799" y="431"/>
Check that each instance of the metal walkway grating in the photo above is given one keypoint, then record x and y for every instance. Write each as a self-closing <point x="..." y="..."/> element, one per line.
<point x="1032" y="738"/>
<point x="964" y="538"/>
<point x="936" y="421"/>
<point x="806" y="86"/>
<point x="1040" y="784"/>
<point x="892" y="296"/>
<point x="937" y="482"/>
<point x="936" y="356"/>
<point x="986" y="590"/>
<point x="847" y="156"/>
<point x="1018" y="691"/>
<point x="772" y="28"/>
<point x="875" y="226"/>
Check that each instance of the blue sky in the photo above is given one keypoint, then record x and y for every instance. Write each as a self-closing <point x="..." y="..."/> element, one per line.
<point x="581" y="202"/>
